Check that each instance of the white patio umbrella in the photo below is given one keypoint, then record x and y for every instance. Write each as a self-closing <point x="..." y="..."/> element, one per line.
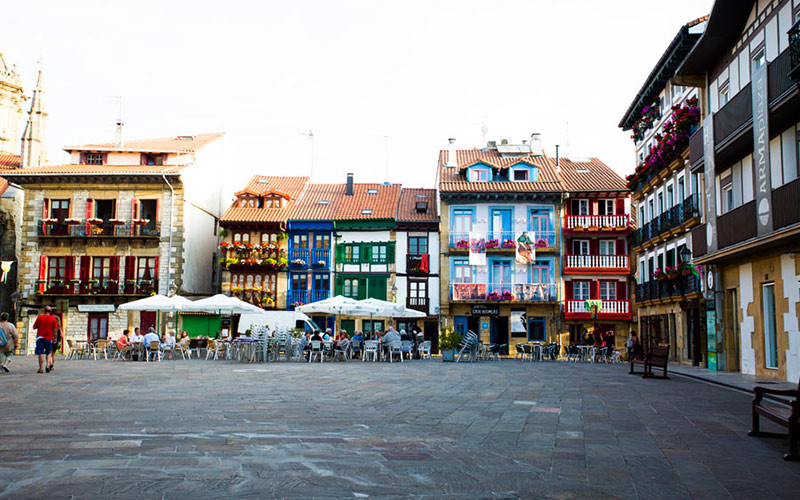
<point x="179" y="301"/>
<point x="338" y="305"/>
<point x="392" y="309"/>
<point x="153" y="303"/>
<point x="219" y="304"/>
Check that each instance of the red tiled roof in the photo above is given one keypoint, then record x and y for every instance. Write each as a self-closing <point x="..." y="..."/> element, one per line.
<point x="175" y="144"/>
<point x="8" y="160"/>
<point x="383" y="204"/>
<point x="407" y="210"/>
<point x="3" y="185"/>
<point x="571" y="178"/>
<point x="97" y="170"/>
<point x="308" y="207"/>
<point x="263" y="184"/>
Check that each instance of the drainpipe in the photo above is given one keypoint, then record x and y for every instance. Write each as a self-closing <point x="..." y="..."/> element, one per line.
<point x="171" y="219"/>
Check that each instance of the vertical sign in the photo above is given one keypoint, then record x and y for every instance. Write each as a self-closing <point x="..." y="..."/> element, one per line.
<point x="477" y="249"/>
<point x="526" y="249"/>
<point x="711" y="337"/>
<point x="761" y="151"/>
<point x="710" y="183"/>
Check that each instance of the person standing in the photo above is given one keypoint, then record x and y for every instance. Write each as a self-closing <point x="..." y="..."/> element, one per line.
<point x="51" y="358"/>
<point x="12" y="341"/>
<point x="45" y="326"/>
<point x="632" y="345"/>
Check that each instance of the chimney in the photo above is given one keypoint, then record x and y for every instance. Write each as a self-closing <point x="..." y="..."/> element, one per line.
<point x="558" y="161"/>
<point x="536" y="144"/>
<point x="451" y="153"/>
<point x="349" y="189"/>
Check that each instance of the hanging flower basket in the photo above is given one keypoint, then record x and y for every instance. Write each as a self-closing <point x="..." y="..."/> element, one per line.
<point x="72" y="221"/>
<point x="140" y="222"/>
<point x="117" y="222"/>
<point x="94" y="221"/>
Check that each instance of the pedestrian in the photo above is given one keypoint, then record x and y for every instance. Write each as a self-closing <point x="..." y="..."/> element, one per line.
<point x="9" y="340"/>
<point x="584" y="337"/>
<point x="51" y="358"/>
<point x="45" y="326"/>
<point x="632" y="346"/>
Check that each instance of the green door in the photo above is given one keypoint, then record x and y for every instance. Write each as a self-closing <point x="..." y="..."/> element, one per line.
<point x="202" y="326"/>
<point x="349" y="325"/>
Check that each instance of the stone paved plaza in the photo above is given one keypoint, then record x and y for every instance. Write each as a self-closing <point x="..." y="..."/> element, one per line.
<point x="423" y="429"/>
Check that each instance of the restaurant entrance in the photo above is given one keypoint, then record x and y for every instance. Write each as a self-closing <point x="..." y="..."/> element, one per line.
<point x="498" y="332"/>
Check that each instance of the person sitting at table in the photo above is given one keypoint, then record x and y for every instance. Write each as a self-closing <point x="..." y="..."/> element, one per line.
<point x="356" y="336"/>
<point x="184" y="338"/>
<point x="406" y="336"/>
<point x="376" y="335"/>
<point x="122" y="341"/>
<point x="316" y="336"/>
<point x="150" y="337"/>
<point x="305" y="342"/>
<point x="168" y="343"/>
<point x="391" y="336"/>
<point x="327" y="335"/>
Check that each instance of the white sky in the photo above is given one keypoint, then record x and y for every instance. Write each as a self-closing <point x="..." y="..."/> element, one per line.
<point x="351" y="71"/>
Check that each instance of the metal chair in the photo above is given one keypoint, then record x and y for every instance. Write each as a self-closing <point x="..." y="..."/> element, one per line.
<point x="153" y="351"/>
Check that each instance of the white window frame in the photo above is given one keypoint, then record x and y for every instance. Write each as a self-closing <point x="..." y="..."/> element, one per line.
<point x="584" y="294"/>
<point x="476" y="174"/>
<point x="523" y="170"/>
<point x="608" y="290"/>
<point x="581" y="247"/>
<point x="605" y="243"/>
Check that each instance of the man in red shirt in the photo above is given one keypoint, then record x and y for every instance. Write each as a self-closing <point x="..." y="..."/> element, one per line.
<point x="45" y="326"/>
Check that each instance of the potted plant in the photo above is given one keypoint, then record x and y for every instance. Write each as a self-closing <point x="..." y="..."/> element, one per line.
<point x="298" y="262"/>
<point x="224" y="245"/>
<point x="493" y="296"/>
<point x="541" y="244"/>
<point x="462" y="243"/>
<point x="508" y="243"/>
<point x="492" y="244"/>
<point x="507" y="295"/>
<point x="448" y="343"/>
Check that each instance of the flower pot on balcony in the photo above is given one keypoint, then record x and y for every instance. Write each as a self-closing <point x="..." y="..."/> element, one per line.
<point x="592" y="228"/>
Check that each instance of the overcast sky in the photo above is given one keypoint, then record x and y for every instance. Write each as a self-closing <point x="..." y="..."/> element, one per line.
<point x="353" y="72"/>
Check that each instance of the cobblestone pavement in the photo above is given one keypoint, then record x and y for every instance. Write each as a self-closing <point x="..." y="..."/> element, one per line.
<point x="506" y="429"/>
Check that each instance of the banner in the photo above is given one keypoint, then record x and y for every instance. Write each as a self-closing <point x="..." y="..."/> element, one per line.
<point x="761" y="161"/>
<point x="526" y="248"/>
<point x="591" y="304"/>
<point x="469" y="291"/>
<point x="477" y="250"/>
<point x="519" y="322"/>
<point x="5" y="266"/>
<point x="533" y="292"/>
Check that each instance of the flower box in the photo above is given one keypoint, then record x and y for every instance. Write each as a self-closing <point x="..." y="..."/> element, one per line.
<point x="492" y="244"/>
<point x="592" y="228"/>
<point x="296" y="304"/>
<point x="321" y="263"/>
<point x="117" y="222"/>
<point x="509" y="244"/>
<point x="50" y="221"/>
<point x="72" y="221"/>
<point x="141" y="222"/>
<point x="507" y="296"/>
<point x="462" y="244"/>
<point x="94" y="221"/>
<point x="224" y="245"/>
<point x="298" y="262"/>
<point x="541" y="244"/>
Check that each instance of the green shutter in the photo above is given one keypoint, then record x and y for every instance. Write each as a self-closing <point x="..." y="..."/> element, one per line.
<point x="366" y="253"/>
<point x="337" y="287"/>
<point x="390" y="252"/>
<point x="339" y="254"/>
<point x="377" y="287"/>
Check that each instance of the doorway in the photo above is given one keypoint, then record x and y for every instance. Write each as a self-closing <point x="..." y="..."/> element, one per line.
<point x="498" y="332"/>
<point x="147" y="319"/>
<point x="346" y="324"/>
<point x="97" y="327"/>
<point x="536" y="329"/>
<point x="430" y="332"/>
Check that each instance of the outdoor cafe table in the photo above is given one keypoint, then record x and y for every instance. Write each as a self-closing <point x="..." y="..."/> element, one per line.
<point x="197" y="344"/>
<point x="587" y="353"/>
<point x="244" y="348"/>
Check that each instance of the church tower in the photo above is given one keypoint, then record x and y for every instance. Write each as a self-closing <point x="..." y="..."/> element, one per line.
<point x="33" y="144"/>
<point x="11" y="99"/>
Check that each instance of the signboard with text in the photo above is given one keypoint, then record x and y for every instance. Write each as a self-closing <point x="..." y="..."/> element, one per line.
<point x="485" y="310"/>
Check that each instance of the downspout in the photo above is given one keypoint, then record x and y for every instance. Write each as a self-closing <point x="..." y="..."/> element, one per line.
<point x="171" y="219"/>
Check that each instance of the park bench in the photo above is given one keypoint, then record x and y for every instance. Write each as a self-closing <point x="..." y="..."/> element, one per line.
<point x="657" y="357"/>
<point x="786" y="415"/>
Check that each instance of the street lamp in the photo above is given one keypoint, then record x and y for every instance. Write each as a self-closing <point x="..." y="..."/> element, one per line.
<point x="685" y="255"/>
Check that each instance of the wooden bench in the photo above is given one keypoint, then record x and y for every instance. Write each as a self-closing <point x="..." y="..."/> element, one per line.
<point x="658" y="357"/>
<point x="787" y="416"/>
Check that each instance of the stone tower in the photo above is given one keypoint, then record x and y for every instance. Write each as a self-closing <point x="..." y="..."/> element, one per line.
<point x="11" y="99"/>
<point x="33" y="144"/>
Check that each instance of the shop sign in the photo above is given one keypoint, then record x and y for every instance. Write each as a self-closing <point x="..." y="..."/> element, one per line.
<point x="95" y="308"/>
<point x="485" y="310"/>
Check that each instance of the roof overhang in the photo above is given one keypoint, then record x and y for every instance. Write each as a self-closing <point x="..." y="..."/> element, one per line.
<point x="725" y="25"/>
<point x="665" y="69"/>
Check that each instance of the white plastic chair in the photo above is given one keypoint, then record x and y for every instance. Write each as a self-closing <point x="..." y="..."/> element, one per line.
<point x="396" y="348"/>
<point x="316" y="350"/>
<point x="370" y="350"/>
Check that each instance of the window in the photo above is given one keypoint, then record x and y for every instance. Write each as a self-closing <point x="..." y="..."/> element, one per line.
<point x="273" y="202"/>
<point x="580" y="290"/>
<point x="462" y="221"/>
<point x="299" y="282"/>
<point x="760" y="58"/>
<point x="608" y="290"/>
<point x="681" y="189"/>
<point x="299" y="241"/>
<point x="521" y="174"/>
<point x="723" y="94"/>
<point x="267" y="238"/>
<point x="351" y="288"/>
<point x="727" y="198"/>
<point x="94" y="159"/>
<point x="417" y="289"/>
<point x="372" y="191"/>
<point x="540" y="272"/>
<point x="101" y="270"/>
<point x="608" y="247"/>
<point x="770" y="327"/>
<point x="661" y="203"/>
<point x="351" y="254"/>
<point x="651" y="267"/>
<point x="462" y="272"/>
<point x="366" y="211"/>
<point x="321" y="282"/>
<point x="650" y="209"/>
<point x="580" y="247"/>
<point x="540" y="221"/>
<point x="605" y="207"/>
<point x="580" y="207"/>
<point x="152" y="159"/>
<point x="670" y="197"/>
<point x="480" y="175"/>
<point x="146" y="269"/>
<point x="501" y="275"/>
<point x="56" y="271"/>
<point x="241" y="238"/>
<point x="379" y="254"/>
<point x="671" y="257"/>
<point x="641" y="215"/>
<point x="322" y="241"/>
<point x="59" y="209"/>
<point x="417" y="245"/>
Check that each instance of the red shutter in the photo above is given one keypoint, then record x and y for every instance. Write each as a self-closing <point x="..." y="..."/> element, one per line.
<point x="620" y="206"/>
<point x="594" y="247"/>
<point x="105" y="158"/>
<point x="134" y="207"/>
<point x="84" y="157"/>
<point x="155" y="278"/>
<point x="622" y="291"/>
<point x="621" y="247"/>
<point x="42" y="273"/>
<point x="594" y="289"/>
<point x="114" y="270"/>
<point x="158" y="211"/>
<point x="86" y="263"/>
<point x="568" y="290"/>
<point x="45" y="214"/>
<point x="89" y="215"/>
<point x="69" y="273"/>
<point x="130" y="273"/>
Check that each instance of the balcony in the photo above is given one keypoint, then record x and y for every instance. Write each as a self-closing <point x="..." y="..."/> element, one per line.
<point x="72" y="228"/>
<point x="297" y="297"/>
<point x="320" y="258"/>
<point x="609" y="309"/>
<point x="414" y="264"/>
<point x="317" y="295"/>
<point x="668" y="288"/>
<point x="699" y="241"/>
<point x="737" y="225"/>
<point x="794" y="50"/>
<point x="418" y="304"/>
<point x="502" y="241"/>
<point x="503" y="292"/>
<point x="784" y="204"/>
<point x="298" y="258"/>
<point x="575" y="264"/>
<point x="674" y="218"/>
<point x="597" y="222"/>
<point x="696" y="147"/>
<point x="95" y="287"/>
<point x="735" y="116"/>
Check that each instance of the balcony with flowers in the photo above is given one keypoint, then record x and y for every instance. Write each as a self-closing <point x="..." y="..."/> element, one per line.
<point x="670" y="144"/>
<point x="260" y="296"/>
<point x="503" y="292"/>
<point x="242" y="256"/>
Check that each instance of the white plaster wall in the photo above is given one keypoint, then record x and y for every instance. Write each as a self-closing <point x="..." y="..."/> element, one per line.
<point x="747" y="326"/>
<point x="402" y="289"/>
<point x="791" y="290"/>
<point x="400" y="251"/>
<point x="364" y="236"/>
<point x="433" y="295"/>
<point x="121" y="158"/>
<point x="433" y="251"/>
<point x="198" y="249"/>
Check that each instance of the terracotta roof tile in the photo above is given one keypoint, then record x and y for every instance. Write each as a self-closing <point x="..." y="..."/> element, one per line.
<point x="308" y="207"/>
<point x="571" y="178"/>
<point x="383" y="204"/>
<point x="96" y="170"/>
<point x="407" y="211"/>
<point x="3" y="185"/>
<point x="175" y="144"/>
<point x="262" y="184"/>
<point x="8" y="160"/>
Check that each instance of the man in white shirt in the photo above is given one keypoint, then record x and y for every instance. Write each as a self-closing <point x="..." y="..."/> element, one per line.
<point x="136" y="337"/>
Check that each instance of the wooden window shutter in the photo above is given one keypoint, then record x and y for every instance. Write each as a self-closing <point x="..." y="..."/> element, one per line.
<point x="620" y="247"/>
<point x="620" y="206"/>
<point x="568" y="290"/>
<point x="390" y="252"/>
<point x="89" y="215"/>
<point x="622" y="291"/>
<point x="86" y="264"/>
<point x="84" y="158"/>
<point x="105" y="158"/>
<point x="158" y="211"/>
<point x="363" y="283"/>
<point x="155" y="270"/>
<point x="42" y="273"/>
<point x="339" y="253"/>
<point x="594" y="246"/>
<point x="366" y="253"/>
<point x="594" y="289"/>
<point x="337" y="287"/>
<point x="69" y="273"/>
<point x="45" y="214"/>
<point x="134" y="215"/>
<point x="130" y="268"/>
<point x="114" y="268"/>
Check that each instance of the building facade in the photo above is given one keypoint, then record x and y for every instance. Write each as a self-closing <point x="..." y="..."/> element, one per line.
<point x="745" y="157"/>
<point x="667" y="199"/>
<point x="494" y="198"/>
<point x="111" y="227"/>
